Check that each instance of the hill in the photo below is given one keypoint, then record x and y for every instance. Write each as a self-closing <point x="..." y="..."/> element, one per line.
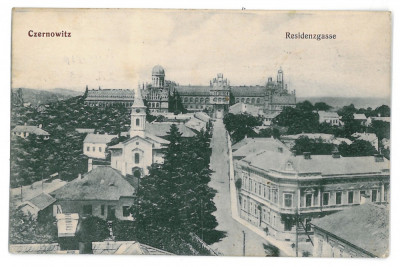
<point x="338" y="102"/>
<point x="37" y="97"/>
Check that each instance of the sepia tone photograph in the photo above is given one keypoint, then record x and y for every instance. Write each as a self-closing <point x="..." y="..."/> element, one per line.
<point x="200" y="132"/>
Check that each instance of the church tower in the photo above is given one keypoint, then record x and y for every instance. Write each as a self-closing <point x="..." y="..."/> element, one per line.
<point x="138" y="116"/>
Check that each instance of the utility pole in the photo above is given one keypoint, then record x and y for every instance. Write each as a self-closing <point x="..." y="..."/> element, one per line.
<point x="244" y="243"/>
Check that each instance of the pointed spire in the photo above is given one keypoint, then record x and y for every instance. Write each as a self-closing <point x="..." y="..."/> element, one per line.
<point x="138" y="102"/>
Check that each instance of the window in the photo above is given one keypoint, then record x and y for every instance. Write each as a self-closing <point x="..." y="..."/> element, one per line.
<point x="88" y="148"/>
<point x="94" y="149"/>
<point x="288" y="200"/>
<point x="244" y="203"/>
<point x="125" y="211"/>
<point x="102" y="209"/>
<point x="325" y="199"/>
<point x="87" y="209"/>
<point x="308" y="200"/>
<point x="137" y="122"/>
<point x="374" y="194"/>
<point x="136" y="158"/>
<point x="99" y="149"/>
<point x="350" y="196"/>
<point x="250" y="184"/>
<point x="287" y="225"/>
<point x="259" y="189"/>
<point x="275" y="196"/>
<point x="264" y="191"/>
<point x="338" y="198"/>
<point x="268" y="193"/>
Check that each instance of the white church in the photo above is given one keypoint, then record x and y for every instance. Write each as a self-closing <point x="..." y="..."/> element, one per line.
<point x="135" y="155"/>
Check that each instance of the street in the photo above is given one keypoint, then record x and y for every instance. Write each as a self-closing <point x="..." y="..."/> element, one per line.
<point x="232" y="244"/>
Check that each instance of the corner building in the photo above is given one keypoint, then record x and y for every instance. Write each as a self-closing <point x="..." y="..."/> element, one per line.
<point x="278" y="187"/>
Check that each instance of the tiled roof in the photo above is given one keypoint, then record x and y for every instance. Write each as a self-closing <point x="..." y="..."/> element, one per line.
<point x="162" y="129"/>
<point x="34" y="248"/>
<point x="42" y="201"/>
<point x="193" y="90"/>
<point x="365" y="226"/>
<point x="30" y="129"/>
<point x="101" y="183"/>
<point x="99" y="138"/>
<point x="248" y="91"/>
<point x="125" y="248"/>
<point x="325" y="137"/>
<point x="325" y="165"/>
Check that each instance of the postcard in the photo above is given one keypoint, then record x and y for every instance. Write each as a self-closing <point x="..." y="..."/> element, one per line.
<point x="200" y="132"/>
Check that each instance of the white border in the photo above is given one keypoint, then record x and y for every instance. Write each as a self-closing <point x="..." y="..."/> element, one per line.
<point x="40" y="260"/>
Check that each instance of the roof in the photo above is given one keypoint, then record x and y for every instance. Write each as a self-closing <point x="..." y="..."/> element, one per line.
<point x="283" y="99"/>
<point x="147" y="137"/>
<point x="365" y="226"/>
<point x="325" y="137"/>
<point x="365" y="136"/>
<point x="34" y="248"/>
<point x="240" y="107"/>
<point x="30" y="129"/>
<point x="325" y="165"/>
<point x="189" y="90"/>
<point x="42" y="201"/>
<point x="260" y="144"/>
<point x="99" y="138"/>
<point x="202" y="116"/>
<point x="101" y="183"/>
<point x="158" y="70"/>
<point x="385" y="119"/>
<point x="248" y="91"/>
<point x="125" y="248"/>
<point x="246" y="141"/>
<point x="110" y="94"/>
<point x="327" y="114"/>
<point x="162" y="129"/>
<point x="359" y="116"/>
<point x="196" y="124"/>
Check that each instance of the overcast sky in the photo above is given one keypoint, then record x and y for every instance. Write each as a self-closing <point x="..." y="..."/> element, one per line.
<point x="118" y="48"/>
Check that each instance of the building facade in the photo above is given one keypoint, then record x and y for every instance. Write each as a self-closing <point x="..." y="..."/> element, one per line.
<point x="157" y="93"/>
<point x="109" y="97"/>
<point x="279" y="188"/>
<point x="95" y="145"/>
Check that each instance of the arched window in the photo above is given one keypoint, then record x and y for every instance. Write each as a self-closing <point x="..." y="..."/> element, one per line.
<point x="157" y="105"/>
<point x="185" y="99"/>
<point x="191" y="99"/>
<point x="252" y="100"/>
<point x="247" y="100"/>
<point x="258" y="101"/>
<point x="137" y="122"/>
<point x="242" y="100"/>
<point x="137" y="159"/>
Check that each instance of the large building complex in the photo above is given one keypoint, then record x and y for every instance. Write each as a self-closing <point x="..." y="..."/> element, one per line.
<point x="214" y="98"/>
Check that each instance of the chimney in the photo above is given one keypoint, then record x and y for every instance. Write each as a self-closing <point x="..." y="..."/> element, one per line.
<point x="79" y="176"/>
<point x="245" y="137"/>
<point x="294" y="152"/>
<point x="40" y="126"/>
<point x="280" y="149"/>
<point x="307" y="155"/>
<point x="25" y="123"/>
<point x="90" y="165"/>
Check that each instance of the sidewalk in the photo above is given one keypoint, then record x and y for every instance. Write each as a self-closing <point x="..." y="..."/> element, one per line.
<point x="283" y="246"/>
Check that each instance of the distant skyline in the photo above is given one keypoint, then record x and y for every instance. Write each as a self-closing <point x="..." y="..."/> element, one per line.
<point x="118" y="49"/>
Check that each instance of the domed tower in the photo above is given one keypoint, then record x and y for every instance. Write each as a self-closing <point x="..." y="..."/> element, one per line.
<point x="158" y="76"/>
<point x="138" y="116"/>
